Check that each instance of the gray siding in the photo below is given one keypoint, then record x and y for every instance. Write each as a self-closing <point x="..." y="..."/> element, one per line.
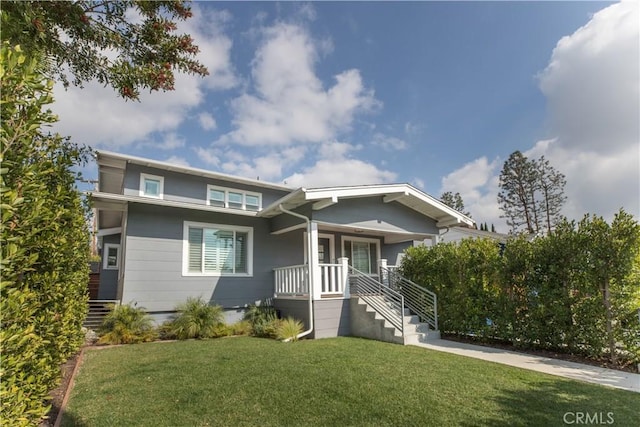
<point x="296" y="308"/>
<point x="153" y="268"/>
<point x="331" y="318"/>
<point x="109" y="278"/>
<point x="372" y="212"/>
<point x="391" y="252"/>
<point x="186" y="188"/>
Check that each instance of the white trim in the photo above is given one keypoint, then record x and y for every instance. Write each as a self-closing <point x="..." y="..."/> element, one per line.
<point x="228" y="227"/>
<point x="107" y="157"/>
<point x="110" y="197"/>
<point x="227" y="190"/>
<point x="361" y="239"/>
<point x="105" y="256"/>
<point x="160" y="179"/>
<point x="332" y="246"/>
<point x="324" y="203"/>
<point x="109" y="231"/>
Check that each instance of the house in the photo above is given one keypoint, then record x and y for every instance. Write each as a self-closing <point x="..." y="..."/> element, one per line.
<point x="169" y="232"/>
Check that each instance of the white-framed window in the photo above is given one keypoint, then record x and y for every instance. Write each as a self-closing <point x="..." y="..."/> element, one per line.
<point x="151" y="186"/>
<point x="363" y="253"/>
<point x="110" y="256"/>
<point x="217" y="250"/>
<point x="231" y="198"/>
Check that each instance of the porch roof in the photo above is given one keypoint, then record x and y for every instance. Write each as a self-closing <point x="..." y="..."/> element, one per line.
<point x="404" y="194"/>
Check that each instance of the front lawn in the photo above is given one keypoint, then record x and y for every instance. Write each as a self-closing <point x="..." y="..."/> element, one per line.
<point x="332" y="382"/>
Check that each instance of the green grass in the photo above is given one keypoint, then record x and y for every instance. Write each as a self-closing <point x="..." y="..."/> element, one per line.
<point x="332" y="382"/>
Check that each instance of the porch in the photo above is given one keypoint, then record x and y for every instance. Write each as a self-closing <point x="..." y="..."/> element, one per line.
<point x="347" y="302"/>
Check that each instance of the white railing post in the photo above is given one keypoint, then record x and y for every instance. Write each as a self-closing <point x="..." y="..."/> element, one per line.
<point x="314" y="265"/>
<point x="382" y="269"/>
<point x="344" y="276"/>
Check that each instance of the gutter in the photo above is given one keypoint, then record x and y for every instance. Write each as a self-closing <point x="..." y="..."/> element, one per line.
<point x="308" y="221"/>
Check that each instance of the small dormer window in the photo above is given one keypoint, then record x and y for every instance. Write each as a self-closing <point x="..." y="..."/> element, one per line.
<point x="222" y="197"/>
<point x="151" y="186"/>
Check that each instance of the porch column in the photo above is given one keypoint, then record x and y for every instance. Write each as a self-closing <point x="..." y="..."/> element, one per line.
<point x="344" y="276"/>
<point x="382" y="269"/>
<point x="314" y="264"/>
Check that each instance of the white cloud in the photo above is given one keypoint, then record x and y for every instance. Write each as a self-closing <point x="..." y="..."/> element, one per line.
<point x="290" y="104"/>
<point x="335" y="168"/>
<point x="477" y="183"/>
<point x="207" y="121"/>
<point x="592" y="85"/>
<point x="170" y="141"/>
<point x="389" y="143"/>
<point x="177" y="160"/>
<point x="97" y="116"/>
<point x="210" y="156"/>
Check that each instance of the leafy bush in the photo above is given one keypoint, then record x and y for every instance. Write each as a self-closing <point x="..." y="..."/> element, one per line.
<point x="126" y="324"/>
<point x="263" y="319"/>
<point x="198" y="319"/>
<point x="576" y="290"/>
<point x="45" y="242"/>
<point x="289" y="329"/>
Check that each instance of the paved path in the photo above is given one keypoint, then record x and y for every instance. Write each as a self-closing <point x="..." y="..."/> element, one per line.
<point x="576" y="371"/>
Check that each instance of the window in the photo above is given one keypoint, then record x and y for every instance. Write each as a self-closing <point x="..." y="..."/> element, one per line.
<point x="234" y="199"/>
<point x="217" y="250"/>
<point x="252" y="203"/>
<point x="216" y="198"/>
<point x="151" y="186"/>
<point x="363" y="253"/>
<point x="110" y="256"/>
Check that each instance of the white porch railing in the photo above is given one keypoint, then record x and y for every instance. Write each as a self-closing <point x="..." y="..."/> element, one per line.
<point x="330" y="282"/>
<point x="292" y="280"/>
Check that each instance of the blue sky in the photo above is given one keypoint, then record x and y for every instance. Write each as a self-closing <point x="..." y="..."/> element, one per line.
<point x="431" y="93"/>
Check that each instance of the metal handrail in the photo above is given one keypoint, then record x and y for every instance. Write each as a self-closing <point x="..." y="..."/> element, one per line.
<point x="418" y="299"/>
<point x="384" y="300"/>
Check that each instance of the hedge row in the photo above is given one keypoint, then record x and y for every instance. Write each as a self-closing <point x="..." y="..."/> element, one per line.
<point x="576" y="291"/>
<point x="45" y="245"/>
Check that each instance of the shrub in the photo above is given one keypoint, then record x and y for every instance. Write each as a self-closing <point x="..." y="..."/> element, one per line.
<point x="45" y="242"/>
<point x="242" y="327"/>
<point x="289" y="329"/>
<point x="197" y="319"/>
<point x="126" y="324"/>
<point x="263" y="319"/>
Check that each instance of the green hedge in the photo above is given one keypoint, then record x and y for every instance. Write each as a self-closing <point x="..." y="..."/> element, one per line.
<point x="577" y="290"/>
<point x="45" y="244"/>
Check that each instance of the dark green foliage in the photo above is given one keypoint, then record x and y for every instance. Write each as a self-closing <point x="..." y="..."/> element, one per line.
<point x="264" y="320"/>
<point x="198" y="319"/>
<point x="126" y="324"/>
<point x="45" y="243"/>
<point x="454" y="201"/>
<point x="576" y="291"/>
<point x="100" y="40"/>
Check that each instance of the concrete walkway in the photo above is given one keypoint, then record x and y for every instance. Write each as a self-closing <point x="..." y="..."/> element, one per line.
<point x="575" y="371"/>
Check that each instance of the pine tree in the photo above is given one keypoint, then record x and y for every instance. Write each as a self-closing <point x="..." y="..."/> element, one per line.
<point x="531" y="194"/>
<point x="454" y="201"/>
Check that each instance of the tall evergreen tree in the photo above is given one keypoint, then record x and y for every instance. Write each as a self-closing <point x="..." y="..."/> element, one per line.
<point x="531" y="194"/>
<point x="454" y="201"/>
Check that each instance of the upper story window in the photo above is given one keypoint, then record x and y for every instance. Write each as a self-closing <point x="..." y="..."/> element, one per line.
<point x="151" y="186"/>
<point x="235" y="199"/>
